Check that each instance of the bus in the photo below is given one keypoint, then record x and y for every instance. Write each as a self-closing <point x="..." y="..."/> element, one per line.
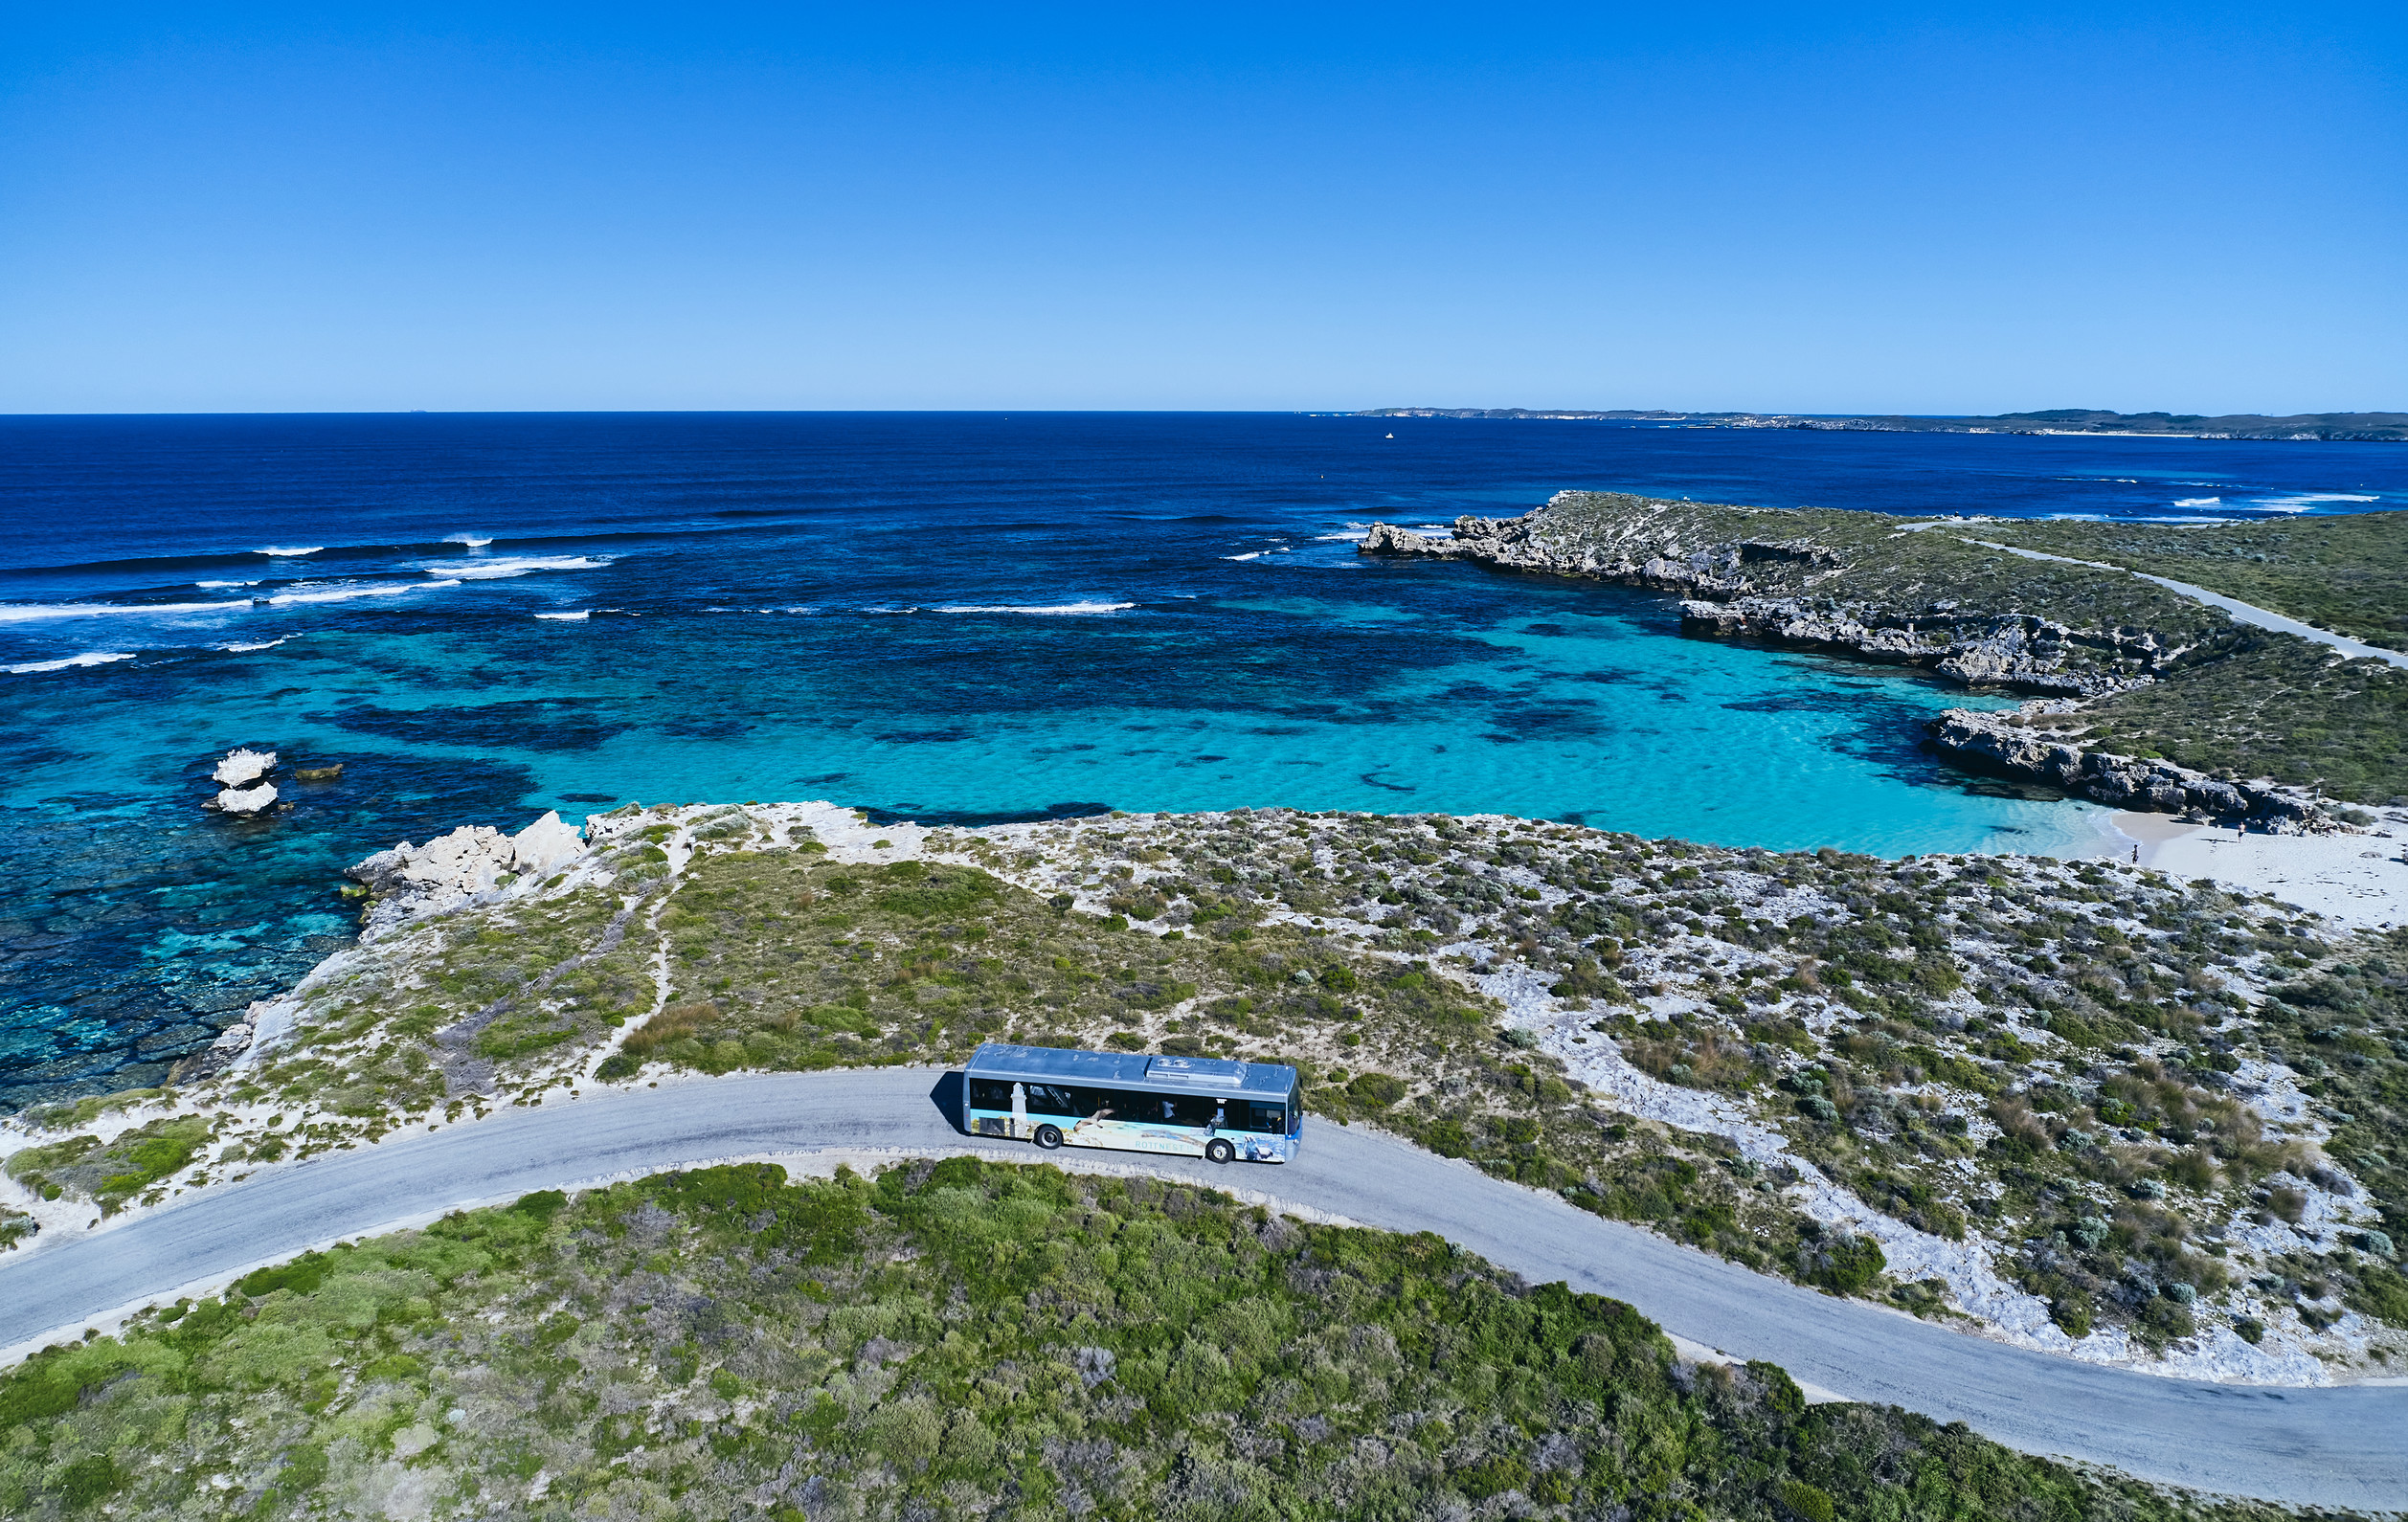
<point x="1193" y="1107"/>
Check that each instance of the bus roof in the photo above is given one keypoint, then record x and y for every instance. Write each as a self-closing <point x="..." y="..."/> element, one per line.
<point x="1192" y="1075"/>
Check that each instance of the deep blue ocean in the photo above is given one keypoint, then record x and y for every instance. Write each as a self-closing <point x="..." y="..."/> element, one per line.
<point x="943" y="616"/>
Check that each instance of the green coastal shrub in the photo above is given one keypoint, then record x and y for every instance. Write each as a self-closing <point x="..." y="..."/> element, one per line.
<point x="1805" y="1501"/>
<point x="116" y="1171"/>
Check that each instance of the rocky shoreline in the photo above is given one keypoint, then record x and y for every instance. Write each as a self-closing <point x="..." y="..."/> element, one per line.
<point x="2005" y="744"/>
<point x="1788" y="588"/>
<point x="1719" y="585"/>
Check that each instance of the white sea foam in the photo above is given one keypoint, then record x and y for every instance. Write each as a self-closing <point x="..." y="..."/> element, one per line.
<point x="2199" y="502"/>
<point x="1350" y="536"/>
<point x="238" y="649"/>
<point x="90" y="658"/>
<point x="1054" y="609"/>
<point x="472" y="541"/>
<point x="1252" y="554"/>
<point x="214" y="586"/>
<point x="579" y="616"/>
<point x="346" y="594"/>
<point x="2303" y="502"/>
<point x="283" y="552"/>
<point x="37" y="611"/>
<point x="522" y="566"/>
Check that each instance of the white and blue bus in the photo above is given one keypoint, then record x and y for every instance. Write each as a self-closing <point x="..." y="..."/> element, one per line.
<point x="1195" y="1106"/>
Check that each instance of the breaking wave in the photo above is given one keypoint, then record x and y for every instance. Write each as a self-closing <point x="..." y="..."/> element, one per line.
<point x="346" y="594"/>
<point x="90" y="658"/>
<point x="2307" y="501"/>
<point x="31" y="613"/>
<point x="521" y="566"/>
<point x="1049" y="610"/>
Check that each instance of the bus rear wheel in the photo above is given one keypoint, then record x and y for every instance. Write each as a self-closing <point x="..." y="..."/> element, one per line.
<point x="1220" y="1151"/>
<point x="1049" y="1137"/>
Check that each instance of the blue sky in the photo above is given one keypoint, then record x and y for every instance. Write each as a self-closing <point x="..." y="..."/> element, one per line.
<point x="1917" y="208"/>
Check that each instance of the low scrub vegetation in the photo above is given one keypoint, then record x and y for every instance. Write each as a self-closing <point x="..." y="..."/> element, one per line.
<point x="2348" y="572"/>
<point x="956" y="1339"/>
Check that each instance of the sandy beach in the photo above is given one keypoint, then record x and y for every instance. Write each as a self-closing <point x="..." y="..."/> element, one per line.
<point x="2359" y="880"/>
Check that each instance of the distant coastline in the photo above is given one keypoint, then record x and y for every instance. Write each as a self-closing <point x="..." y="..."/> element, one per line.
<point x="2379" y="428"/>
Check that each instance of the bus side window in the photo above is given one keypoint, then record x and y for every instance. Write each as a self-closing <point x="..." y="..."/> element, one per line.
<point x="1191" y="1110"/>
<point x="988" y="1093"/>
<point x="1052" y="1099"/>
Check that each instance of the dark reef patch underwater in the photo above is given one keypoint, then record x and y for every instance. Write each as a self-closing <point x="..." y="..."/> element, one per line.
<point x="961" y="618"/>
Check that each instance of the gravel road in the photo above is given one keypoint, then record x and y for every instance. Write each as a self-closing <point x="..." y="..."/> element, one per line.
<point x="2343" y="1445"/>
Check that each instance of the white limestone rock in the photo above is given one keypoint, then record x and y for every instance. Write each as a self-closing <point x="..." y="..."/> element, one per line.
<point x="246" y="800"/>
<point x="544" y="845"/>
<point x="241" y="768"/>
<point x="412" y="880"/>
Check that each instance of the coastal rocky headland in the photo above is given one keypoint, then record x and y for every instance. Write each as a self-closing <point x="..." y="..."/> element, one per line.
<point x="1924" y="593"/>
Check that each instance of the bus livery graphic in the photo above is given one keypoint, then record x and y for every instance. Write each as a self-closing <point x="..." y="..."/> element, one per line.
<point x="1192" y="1107"/>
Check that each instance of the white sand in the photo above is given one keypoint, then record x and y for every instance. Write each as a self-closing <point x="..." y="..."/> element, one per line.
<point x="2358" y="880"/>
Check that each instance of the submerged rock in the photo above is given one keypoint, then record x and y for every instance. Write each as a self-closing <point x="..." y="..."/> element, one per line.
<point x="323" y="773"/>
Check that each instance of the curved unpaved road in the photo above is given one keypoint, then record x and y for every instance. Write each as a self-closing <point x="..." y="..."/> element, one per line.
<point x="2243" y="611"/>
<point x="2342" y="1446"/>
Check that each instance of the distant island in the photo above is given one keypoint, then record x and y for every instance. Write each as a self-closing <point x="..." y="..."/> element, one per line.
<point x="2390" y="427"/>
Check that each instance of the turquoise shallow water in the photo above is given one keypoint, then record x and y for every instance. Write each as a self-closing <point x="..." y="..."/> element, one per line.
<point x="943" y="618"/>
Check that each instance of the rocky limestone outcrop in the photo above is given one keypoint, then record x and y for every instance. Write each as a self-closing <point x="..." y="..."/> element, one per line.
<point x="2015" y="651"/>
<point x="242" y="767"/>
<point x="245" y="800"/>
<point x="224" y="1052"/>
<point x="1534" y="543"/>
<point x="467" y="865"/>
<point x="1641" y="545"/>
<point x="242" y="785"/>
<point x="1999" y="742"/>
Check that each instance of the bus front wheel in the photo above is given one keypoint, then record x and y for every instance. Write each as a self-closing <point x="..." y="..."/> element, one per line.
<point x="1049" y="1137"/>
<point x="1220" y="1151"/>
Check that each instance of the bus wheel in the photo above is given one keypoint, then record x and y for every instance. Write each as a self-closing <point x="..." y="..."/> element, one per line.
<point x="1220" y="1151"/>
<point x="1049" y="1137"/>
